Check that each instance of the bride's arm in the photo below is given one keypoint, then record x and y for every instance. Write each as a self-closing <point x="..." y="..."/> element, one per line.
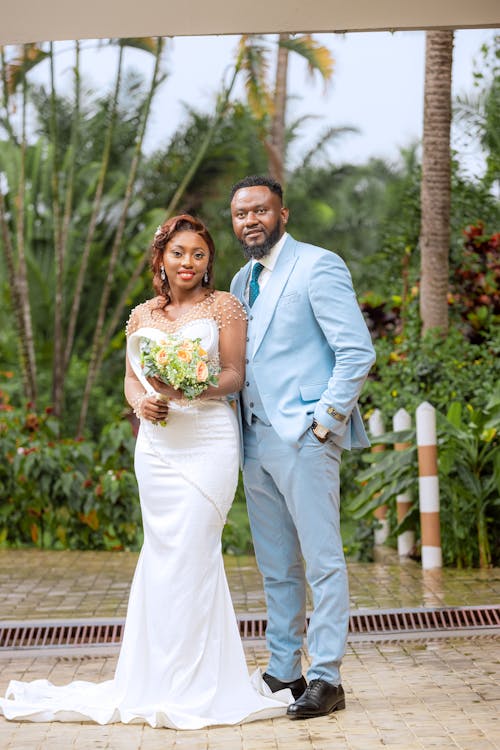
<point x="144" y="405"/>
<point x="232" y="323"/>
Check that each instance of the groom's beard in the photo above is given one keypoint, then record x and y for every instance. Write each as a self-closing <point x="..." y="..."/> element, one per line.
<point x="260" y="251"/>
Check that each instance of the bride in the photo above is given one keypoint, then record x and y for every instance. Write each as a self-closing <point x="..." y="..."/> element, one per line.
<point x="181" y="663"/>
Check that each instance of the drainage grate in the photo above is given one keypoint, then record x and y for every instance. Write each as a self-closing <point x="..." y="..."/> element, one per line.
<point x="393" y="621"/>
<point x="364" y="623"/>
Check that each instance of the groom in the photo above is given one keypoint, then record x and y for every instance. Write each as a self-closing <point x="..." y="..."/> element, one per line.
<point x="308" y="355"/>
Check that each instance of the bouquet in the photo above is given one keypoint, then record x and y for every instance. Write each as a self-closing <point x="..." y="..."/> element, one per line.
<point x="181" y="363"/>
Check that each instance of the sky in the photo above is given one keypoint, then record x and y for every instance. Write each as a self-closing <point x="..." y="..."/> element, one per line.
<point x="377" y="87"/>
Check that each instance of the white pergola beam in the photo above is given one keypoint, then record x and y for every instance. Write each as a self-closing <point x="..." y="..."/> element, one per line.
<point x="35" y="20"/>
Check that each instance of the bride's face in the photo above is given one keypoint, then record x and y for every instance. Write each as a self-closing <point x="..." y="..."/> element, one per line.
<point x="185" y="260"/>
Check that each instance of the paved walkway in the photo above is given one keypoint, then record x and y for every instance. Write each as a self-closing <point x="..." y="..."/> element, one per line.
<point x="38" y="584"/>
<point x="402" y="695"/>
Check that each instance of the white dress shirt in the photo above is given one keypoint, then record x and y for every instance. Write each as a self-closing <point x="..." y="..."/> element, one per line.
<point x="268" y="261"/>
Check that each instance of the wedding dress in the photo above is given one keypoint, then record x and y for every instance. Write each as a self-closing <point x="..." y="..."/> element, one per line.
<point x="181" y="663"/>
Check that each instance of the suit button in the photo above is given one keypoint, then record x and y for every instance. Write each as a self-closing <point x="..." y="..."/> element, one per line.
<point x="248" y="339"/>
<point x="247" y="383"/>
<point x="251" y="317"/>
<point x="247" y="361"/>
<point x="251" y="404"/>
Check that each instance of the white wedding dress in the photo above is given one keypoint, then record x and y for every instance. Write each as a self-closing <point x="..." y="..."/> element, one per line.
<point x="181" y="663"/>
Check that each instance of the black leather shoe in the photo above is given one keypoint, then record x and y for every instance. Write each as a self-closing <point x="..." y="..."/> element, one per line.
<point x="319" y="699"/>
<point x="296" y="686"/>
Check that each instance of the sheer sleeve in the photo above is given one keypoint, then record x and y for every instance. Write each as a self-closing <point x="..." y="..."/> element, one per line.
<point x="134" y="391"/>
<point x="232" y="323"/>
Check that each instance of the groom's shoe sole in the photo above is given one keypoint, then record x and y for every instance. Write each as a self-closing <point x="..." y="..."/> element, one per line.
<point x="296" y="686"/>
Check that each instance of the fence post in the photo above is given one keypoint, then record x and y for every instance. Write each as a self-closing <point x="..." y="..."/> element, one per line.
<point x="428" y="486"/>
<point x="377" y="428"/>
<point x="406" y="540"/>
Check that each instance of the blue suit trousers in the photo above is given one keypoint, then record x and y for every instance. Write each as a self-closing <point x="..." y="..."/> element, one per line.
<point x="293" y="499"/>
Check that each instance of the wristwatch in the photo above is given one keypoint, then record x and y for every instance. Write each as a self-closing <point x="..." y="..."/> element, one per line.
<point x="320" y="431"/>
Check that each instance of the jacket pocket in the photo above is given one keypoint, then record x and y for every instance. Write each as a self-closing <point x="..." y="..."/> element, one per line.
<point x="287" y="299"/>
<point x="312" y="392"/>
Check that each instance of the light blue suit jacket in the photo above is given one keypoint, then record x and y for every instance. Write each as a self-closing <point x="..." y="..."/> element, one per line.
<point x="312" y="350"/>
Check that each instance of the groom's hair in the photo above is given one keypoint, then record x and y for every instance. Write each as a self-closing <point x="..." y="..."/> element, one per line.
<point x="256" y="180"/>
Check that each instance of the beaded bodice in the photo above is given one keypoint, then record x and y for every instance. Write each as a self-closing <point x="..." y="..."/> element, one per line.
<point x="221" y="307"/>
<point x="218" y="320"/>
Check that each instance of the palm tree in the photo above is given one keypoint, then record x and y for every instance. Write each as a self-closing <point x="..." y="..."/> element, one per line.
<point x="436" y="182"/>
<point x="479" y="114"/>
<point x="98" y="348"/>
<point x="14" y="77"/>
<point x="269" y="105"/>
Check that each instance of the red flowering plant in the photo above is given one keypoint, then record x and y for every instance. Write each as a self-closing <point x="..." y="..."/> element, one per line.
<point x="475" y="294"/>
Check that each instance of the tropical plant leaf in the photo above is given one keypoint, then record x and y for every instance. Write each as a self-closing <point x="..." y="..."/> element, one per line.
<point x="30" y="56"/>
<point x="252" y="60"/>
<point x="318" y="57"/>
<point x="145" y="43"/>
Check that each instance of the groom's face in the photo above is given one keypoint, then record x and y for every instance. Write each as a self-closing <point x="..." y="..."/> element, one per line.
<point x="259" y="219"/>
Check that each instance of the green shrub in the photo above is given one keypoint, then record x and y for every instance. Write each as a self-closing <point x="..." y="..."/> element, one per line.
<point x="63" y="493"/>
<point x="469" y="481"/>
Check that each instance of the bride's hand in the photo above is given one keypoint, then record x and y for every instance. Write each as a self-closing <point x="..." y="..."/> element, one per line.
<point x="154" y="409"/>
<point x="164" y="389"/>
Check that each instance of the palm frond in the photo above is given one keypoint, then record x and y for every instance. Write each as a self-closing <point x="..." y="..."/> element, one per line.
<point x="30" y="56"/>
<point x="317" y="56"/>
<point x="253" y="61"/>
<point x="145" y="43"/>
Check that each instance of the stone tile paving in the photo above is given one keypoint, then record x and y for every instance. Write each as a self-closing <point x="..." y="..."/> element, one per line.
<point x="37" y="584"/>
<point x="414" y="695"/>
<point x="405" y="695"/>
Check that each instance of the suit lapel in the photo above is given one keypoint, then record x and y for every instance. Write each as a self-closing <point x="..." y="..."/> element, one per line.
<point x="266" y="303"/>
<point x="241" y="283"/>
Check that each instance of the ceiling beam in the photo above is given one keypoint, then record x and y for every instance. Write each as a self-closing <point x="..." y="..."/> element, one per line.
<point x="35" y="20"/>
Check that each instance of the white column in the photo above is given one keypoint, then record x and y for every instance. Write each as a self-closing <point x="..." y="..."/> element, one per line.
<point x="377" y="428"/>
<point x="406" y="540"/>
<point x="428" y="485"/>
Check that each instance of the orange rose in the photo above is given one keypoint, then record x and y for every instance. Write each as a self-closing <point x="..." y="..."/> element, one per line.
<point x="184" y="355"/>
<point x="162" y="357"/>
<point x="201" y="352"/>
<point x="201" y="372"/>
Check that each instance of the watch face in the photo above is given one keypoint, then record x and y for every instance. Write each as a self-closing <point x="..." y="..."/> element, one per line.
<point x="321" y="432"/>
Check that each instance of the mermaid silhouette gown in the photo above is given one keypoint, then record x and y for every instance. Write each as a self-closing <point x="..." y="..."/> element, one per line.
<point x="181" y="663"/>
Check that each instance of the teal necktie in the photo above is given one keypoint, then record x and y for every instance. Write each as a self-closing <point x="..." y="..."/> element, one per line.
<point x="254" y="289"/>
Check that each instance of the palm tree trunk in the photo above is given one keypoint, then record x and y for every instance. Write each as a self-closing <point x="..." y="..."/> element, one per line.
<point x="77" y="295"/>
<point x="16" y="304"/>
<point x="22" y="271"/>
<point x="275" y="144"/>
<point x="436" y="182"/>
<point x="5" y="89"/>
<point x="70" y="183"/>
<point x="97" y="343"/>
<point x="57" y="377"/>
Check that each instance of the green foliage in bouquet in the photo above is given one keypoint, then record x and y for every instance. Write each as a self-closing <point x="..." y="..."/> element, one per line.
<point x="181" y="363"/>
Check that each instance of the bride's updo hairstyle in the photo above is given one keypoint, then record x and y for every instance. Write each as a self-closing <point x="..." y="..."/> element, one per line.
<point x="163" y="235"/>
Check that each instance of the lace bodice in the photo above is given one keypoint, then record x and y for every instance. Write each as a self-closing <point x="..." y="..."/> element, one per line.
<point x="219" y="320"/>
<point x="222" y="307"/>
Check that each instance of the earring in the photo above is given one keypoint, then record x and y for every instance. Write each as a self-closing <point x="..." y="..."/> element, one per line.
<point x="163" y="275"/>
<point x="205" y="278"/>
